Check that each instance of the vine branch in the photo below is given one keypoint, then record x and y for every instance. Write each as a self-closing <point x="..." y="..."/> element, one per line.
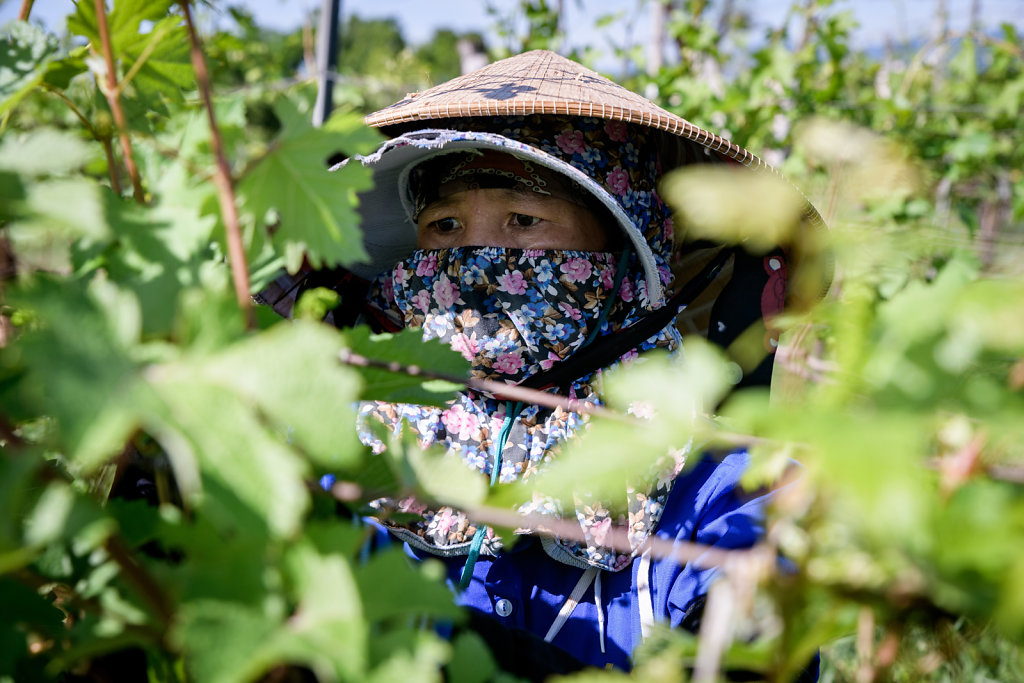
<point x="222" y="176"/>
<point x="26" y="9"/>
<point x="569" y="529"/>
<point x="108" y="148"/>
<point x="140" y="579"/>
<point x="112" y="93"/>
<point x="507" y="391"/>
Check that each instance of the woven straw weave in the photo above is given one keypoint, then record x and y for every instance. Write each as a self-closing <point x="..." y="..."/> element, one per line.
<point x="543" y="82"/>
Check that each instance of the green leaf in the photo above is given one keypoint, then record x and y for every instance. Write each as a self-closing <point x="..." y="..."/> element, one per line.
<point x="12" y="195"/>
<point x="313" y="209"/>
<point x="164" y="46"/>
<point x="973" y="145"/>
<point x="315" y="303"/>
<point x="167" y="69"/>
<point x="251" y="483"/>
<point x="220" y="561"/>
<point x="61" y="514"/>
<point x="29" y="58"/>
<point x="390" y="587"/>
<point x="123" y="22"/>
<point x="18" y="495"/>
<point x="669" y="396"/>
<point x="186" y="180"/>
<point x="328" y="630"/>
<point x="734" y="205"/>
<point x="50" y="514"/>
<point x="59" y="216"/>
<point x="44" y="151"/>
<point x="138" y="521"/>
<point x="292" y="373"/>
<point x="442" y="477"/>
<point x="25" y="613"/>
<point x="225" y="642"/>
<point x="78" y="371"/>
<point x="413" y="656"/>
<point x="161" y="251"/>
<point x="471" y="660"/>
<point x="408" y="348"/>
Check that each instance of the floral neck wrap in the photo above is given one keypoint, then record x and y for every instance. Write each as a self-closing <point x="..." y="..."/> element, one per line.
<point x="513" y="313"/>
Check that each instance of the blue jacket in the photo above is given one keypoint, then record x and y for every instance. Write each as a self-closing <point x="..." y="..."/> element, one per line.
<point x="525" y="589"/>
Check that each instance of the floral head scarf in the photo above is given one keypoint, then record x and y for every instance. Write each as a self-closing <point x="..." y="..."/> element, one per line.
<point x="516" y="312"/>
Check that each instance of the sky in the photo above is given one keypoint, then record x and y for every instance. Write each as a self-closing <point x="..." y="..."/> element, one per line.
<point x="879" y="20"/>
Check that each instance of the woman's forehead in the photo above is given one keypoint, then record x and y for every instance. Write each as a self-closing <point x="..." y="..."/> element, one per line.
<point x="447" y="174"/>
<point x="458" y="194"/>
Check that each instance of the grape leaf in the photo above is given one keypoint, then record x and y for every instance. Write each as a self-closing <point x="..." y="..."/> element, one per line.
<point x="328" y="629"/>
<point x="251" y="483"/>
<point x="410" y="656"/>
<point x="44" y="151"/>
<point x="167" y="67"/>
<point x="225" y="642"/>
<point x="408" y="348"/>
<point x="313" y="209"/>
<point x="79" y="372"/>
<point x="471" y="660"/>
<point x="30" y="57"/>
<point x="281" y="371"/>
<point x="668" y="396"/>
<point x="390" y="587"/>
<point x="161" y="251"/>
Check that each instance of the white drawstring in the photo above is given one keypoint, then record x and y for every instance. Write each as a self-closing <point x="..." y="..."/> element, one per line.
<point x="570" y="603"/>
<point x="643" y="594"/>
<point x="600" y="610"/>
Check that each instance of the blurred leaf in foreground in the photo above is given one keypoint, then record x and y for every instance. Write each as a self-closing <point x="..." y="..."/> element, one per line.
<point x="79" y="371"/>
<point x="30" y="57"/>
<point x="666" y="400"/>
<point x="734" y="205"/>
<point x="406" y="348"/>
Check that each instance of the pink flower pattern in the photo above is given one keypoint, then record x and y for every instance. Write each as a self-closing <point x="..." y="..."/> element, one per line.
<point x="508" y="363"/>
<point x="618" y="181"/>
<point x="466" y="345"/>
<point x="426" y="267"/>
<point x="570" y="141"/>
<point x="446" y="292"/>
<point x="512" y="282"/>
<point x="576" y="269"/>
<point x="460" y="421"/>
<point x="616" y="130"/>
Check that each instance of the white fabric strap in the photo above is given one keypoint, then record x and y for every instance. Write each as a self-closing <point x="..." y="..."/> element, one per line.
<point x="600" y="610"/>
<point x="570" y="603"/>
<point x="643" y="594"/>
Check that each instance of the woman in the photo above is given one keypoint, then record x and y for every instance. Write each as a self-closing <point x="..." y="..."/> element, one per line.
<point x="516" y="216"/>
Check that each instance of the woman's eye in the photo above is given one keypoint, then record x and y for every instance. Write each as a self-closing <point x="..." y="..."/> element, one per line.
<point x="524" y="221"/>
<point x="444" y="224"/>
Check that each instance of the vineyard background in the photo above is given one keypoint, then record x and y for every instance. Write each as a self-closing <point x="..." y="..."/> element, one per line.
<point x="135" y="223"/>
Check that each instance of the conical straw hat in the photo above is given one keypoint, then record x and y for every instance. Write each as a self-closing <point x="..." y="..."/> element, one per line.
<point x="542" y="82"/>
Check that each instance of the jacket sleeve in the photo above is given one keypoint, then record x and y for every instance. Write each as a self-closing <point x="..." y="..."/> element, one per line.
<point x="707" y="507"/>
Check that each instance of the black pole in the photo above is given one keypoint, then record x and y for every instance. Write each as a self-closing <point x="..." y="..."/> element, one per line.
<point x="326" y="59"/>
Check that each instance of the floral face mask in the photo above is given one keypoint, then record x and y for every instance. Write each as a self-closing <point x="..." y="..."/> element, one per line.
<point x="510" y="312"/>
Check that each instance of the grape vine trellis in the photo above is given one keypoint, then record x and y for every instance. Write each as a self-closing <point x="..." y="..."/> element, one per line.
<point x="125" y="346"/>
